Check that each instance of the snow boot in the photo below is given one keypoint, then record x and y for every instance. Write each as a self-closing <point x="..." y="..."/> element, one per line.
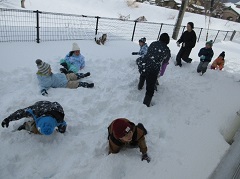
<point x="86" y="85"/>
<point x="22" y="127"/>
<point x="141" y="82"/>
<point x="147" y="100"/>
<point x="82" y="75"/>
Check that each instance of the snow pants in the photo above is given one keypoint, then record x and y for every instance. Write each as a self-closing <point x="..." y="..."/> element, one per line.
<point x="202" y="67"/>
<point x="73" y="81"/>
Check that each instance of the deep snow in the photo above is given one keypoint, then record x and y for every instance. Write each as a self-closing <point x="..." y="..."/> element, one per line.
<point x="185" y="125"/>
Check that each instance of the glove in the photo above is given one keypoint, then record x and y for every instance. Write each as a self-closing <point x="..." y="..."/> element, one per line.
<point x="5" y="123"/>
<point x="134" y="53"/>
<point x="183" y="44"/>
<point x="146" y="157"/>
<point x="44" y="92"/>
<point x="202" y="58"/>
<point x="178" y="44"/>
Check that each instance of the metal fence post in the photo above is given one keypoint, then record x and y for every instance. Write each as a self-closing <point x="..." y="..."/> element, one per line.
<point x="38" y="33"/>
<point x="233" y="34"/>
<point x="160" y="31"/>
<point x="216" y="36"/>
<point x="134" y="29"/>
<point x="226" y="35"/>
<point x="96" y="30"/>
<point x="200" y="34"/>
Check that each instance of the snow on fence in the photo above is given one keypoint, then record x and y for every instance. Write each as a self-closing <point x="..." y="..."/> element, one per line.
<point x="35" y="26"/>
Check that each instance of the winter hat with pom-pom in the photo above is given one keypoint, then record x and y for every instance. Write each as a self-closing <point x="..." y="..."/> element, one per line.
<point x="43" y="67"/>
<point x="75" y="47"/>
<point x="210" y="43"/>
<point x="46" y="125"/>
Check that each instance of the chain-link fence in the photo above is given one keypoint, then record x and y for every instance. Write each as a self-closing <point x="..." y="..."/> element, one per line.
<point x="25" y="25"/>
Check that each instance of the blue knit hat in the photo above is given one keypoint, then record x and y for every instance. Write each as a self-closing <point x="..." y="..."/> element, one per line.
<point x="46" y="125"/>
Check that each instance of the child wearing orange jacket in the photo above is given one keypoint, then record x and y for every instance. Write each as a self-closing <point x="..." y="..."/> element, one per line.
<point x="219" y="62"/>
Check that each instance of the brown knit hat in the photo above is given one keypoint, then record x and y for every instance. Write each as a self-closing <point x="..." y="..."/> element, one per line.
<point x="43" y="67"/>
<point x="120" y="128"/>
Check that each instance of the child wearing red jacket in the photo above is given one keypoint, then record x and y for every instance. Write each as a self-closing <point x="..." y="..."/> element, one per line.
<point x="219" y="62"/>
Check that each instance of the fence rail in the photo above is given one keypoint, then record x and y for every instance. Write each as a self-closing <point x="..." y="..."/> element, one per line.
<point x="36" y="26"/>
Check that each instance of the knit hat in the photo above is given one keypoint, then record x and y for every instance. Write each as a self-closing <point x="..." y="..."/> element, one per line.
<point x="210" y="43"/>
<point x="75" y="47"/>
<point x="120" y="128"/>
<point x="46" y="125"/>
<point x="43" y="67"/>
<point x="222" y="54"/>
<point x="142" y="40"/>
<point x="191" y="24"/>
<point x="164" y="37"/>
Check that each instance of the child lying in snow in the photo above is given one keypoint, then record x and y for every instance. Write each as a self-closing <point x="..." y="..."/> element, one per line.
<point x="45" y="116"/>
<point x="47" y="79"/>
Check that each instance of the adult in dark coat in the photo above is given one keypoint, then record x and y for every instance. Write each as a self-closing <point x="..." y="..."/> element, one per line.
<point x="188" y="40"/>
<point x="45" y="116"/>
<point x="150" y="65"/>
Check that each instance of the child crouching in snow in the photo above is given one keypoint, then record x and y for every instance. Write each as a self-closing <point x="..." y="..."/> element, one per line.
<point x="46" y="116"/>
<point x="47" y="79"/>
<point x="122" y="132"/>
<point x="218" y="63"/>
<point x="205" y="54"/>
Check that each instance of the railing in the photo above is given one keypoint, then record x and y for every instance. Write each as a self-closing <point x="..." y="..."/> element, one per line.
<point x="35" y="26"/>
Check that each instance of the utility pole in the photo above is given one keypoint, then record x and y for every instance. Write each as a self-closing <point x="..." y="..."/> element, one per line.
<point x="179" y="19"/>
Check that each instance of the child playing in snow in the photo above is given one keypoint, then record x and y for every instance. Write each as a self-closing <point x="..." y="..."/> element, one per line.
<point x="205" y="54"/>
<point x="218" y="63"/>
<point x="74" y="61"/>
<point x="47" y="79"/>
<point x="122" y="132"/>
<point x="143" y="47"/>
<point x="45" y="116"/>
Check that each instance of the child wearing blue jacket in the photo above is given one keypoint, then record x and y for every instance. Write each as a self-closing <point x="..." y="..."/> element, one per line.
<point x="74" y="61"/>
<point x="47" y="79"/>
<point x="143" y="48"/>
<point x="205" y="54"/>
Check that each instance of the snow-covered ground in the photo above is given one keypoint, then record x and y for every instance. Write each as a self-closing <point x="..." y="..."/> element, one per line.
<point x="185" y="125"/>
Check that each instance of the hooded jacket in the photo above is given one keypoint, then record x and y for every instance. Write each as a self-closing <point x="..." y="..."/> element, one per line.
<point x="39" y="109"/>
<point x="58" y="80"/>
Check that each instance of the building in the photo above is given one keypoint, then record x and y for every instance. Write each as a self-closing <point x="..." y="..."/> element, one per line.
<point x="231" y="12"/>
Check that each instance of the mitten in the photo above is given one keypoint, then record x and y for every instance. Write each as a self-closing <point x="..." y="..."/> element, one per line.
<point x="146" y="157"/>
<point x="134" y="53"/>
<point x="5" y="123"/>
<point x="202" y="58"/>
<point x="62" y="128"/>
<point x="44" y="92"/>
<point x="178" y="44"/>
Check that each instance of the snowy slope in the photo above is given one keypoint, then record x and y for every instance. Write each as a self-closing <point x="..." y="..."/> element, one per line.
<point x="113" y="8"/>
<point x="185" y="124"/>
